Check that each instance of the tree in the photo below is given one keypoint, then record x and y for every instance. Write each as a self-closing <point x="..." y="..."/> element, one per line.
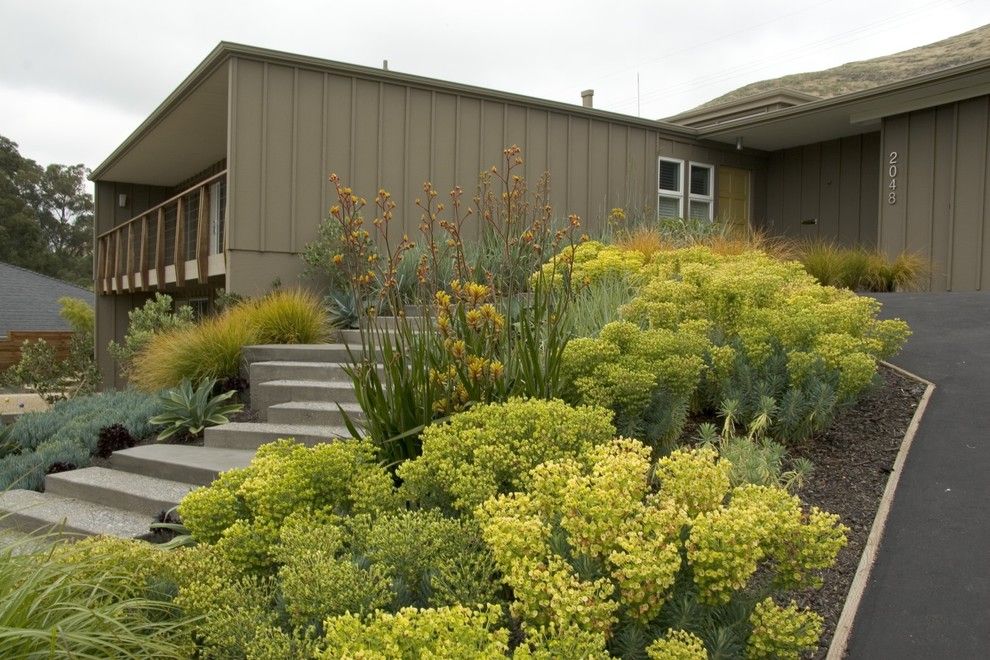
<point x="46" y="216"/>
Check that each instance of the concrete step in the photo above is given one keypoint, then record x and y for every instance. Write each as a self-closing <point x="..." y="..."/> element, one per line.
<point x="113" y="488"/>
<point x="29" y="511"/>
<point x="272" y="392"/>
<point x="298" y="353"/>
<point x="320" y="413"/>
<point x="185" y="463"/>
<point x="285" y="370"/>
<point x="251" y="435"/>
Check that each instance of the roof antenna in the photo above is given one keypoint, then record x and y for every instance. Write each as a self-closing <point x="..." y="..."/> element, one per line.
<point x="385" y="65"/>
<point x="638" y="113"/>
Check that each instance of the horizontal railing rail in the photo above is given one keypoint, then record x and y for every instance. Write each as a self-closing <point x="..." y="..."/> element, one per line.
<point x="119" y="259"/>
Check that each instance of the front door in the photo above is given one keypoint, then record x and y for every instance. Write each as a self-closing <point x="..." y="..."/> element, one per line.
<point x="733" y="198"/>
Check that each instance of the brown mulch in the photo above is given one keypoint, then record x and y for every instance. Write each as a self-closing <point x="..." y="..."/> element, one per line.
<point x="853" y="461"/>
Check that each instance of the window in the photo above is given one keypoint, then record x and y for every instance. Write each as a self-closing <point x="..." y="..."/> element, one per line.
<point x="701" y="198"/>
<point x="670" y="188"/>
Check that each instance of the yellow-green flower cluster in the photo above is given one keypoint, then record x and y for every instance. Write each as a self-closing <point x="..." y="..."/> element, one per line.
<point x="244" y="509"/>
<point x="604" y="504"/>
<point x="693" y="480"/>
<point x="623" y="367"/>
<point x="762" y="302"/>
<point x="677" y="645"/>
<point x="593" y="261"/>
<point x="491" y="448"/>
<point x="782" y="632"/>
<point x="411" y="634"/>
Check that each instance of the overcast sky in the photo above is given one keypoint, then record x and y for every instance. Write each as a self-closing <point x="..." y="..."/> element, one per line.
<point x="77" y="77"/>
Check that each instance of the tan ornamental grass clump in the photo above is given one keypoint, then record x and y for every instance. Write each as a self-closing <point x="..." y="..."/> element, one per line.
<point x="212" y="348"/>
<point x="860" y="268"/>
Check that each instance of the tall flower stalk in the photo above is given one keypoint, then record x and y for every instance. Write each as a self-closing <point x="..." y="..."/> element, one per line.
<point x="496" y="329"/>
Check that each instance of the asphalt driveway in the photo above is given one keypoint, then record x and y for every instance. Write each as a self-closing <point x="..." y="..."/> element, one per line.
<point x="929" y="592"/>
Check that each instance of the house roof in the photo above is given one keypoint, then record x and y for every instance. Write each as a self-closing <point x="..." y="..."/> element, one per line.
<point x="747" y="106"/>
<point x="854" y="113"/>
<point x="29" y="300"/>
<point x="203" y="94"/>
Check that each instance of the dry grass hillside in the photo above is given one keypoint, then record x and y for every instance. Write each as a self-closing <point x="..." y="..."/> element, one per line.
<point x="855" y="76"/>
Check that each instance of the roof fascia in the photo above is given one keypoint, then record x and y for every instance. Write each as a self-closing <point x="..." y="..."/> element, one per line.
<point x="824" y="105"/>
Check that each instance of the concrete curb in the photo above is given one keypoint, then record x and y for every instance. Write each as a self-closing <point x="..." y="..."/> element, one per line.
<point x="843" y="629"/>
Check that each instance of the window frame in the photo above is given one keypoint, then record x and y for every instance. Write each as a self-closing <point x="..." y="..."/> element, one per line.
<point x="710" y="197"/>
<point x="671" y="194"/>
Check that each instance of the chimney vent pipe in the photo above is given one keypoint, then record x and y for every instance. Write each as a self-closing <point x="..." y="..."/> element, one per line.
<point x="587" y="98"/>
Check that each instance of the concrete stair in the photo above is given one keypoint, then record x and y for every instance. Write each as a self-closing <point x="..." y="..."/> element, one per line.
<point x="189" y="464"/>
<point x="115" y="488"/>
<point x="30" y="511"/>
<point x="251" y="435"/>
<point x="320" y="413"/>
<point x="300" y="390"/>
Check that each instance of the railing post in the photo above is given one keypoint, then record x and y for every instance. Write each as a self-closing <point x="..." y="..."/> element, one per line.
<point x="143" y="254"/>
<point x="203" y="235"/>
<point x="130" y="257"/>
<point x="180" y="253"/>
<point x="101" y="260"/>
<point x="160" y="249"/>
<point x="118" y="276"/>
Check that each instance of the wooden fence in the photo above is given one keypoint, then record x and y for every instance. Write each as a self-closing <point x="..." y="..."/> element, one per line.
<point x="10" y="348"/>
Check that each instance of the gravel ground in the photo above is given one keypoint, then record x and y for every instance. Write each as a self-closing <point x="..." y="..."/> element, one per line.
<point x="853" y="460"/>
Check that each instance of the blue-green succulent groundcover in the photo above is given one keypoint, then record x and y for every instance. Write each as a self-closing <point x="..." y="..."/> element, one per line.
<point x="68" y="433"/>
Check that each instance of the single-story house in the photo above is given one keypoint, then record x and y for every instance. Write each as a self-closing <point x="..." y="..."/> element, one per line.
<point x="226" y="181"/>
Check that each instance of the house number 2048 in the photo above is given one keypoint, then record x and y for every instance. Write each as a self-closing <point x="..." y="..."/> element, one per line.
<point x="892" y="175"/>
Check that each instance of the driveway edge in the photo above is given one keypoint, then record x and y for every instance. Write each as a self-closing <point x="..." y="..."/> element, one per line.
<point x="843" y="629"/>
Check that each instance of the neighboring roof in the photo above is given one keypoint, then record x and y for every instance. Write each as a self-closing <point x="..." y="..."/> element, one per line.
<point x="207" y="75"/>
<point x="774" y="99"/>
<point x="29" y="300"/>
<point x="855" y="113"/>
<point x="851" y="77"/>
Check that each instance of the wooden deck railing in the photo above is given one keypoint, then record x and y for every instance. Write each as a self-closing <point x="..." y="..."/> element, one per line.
<point x="158" y="246"/>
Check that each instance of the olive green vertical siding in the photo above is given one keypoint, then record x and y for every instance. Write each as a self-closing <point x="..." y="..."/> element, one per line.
<point x="942" y="206"/>
<point x="291" y="126"/>
<point x="826" y="190"/>
<point x="111" y="310"/>
<point x="723" y="155"/>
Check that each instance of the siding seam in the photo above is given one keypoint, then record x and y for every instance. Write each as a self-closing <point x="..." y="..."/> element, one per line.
<point x="950" y="265"/>
<point x="294" y="155"/>
<point x="983" y="196"/>
<point x="262" y="187"/>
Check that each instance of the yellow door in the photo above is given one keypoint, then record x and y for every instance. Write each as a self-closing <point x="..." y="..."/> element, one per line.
<point x="733" y="198"/>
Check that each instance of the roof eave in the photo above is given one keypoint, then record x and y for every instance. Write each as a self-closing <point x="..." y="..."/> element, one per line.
<point x="216" y="57"/>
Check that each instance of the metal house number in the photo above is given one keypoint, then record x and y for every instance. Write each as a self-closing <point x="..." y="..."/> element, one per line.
<point x="892" y="174"/>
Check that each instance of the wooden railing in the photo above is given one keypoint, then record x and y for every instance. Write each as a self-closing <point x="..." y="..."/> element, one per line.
<point x="156" y="248"/>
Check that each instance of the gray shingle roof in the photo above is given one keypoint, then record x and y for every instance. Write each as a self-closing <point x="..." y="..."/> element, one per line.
<point x="29" y="300"/>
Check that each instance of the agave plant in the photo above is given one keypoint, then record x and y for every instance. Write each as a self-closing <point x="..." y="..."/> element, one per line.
<point x="188" y="411"/>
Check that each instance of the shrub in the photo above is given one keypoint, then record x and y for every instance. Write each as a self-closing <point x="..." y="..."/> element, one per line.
<point x="154" y="317"/>
<point x="491" y="448"/>
<point x="597" y="305"/>
<point x="862" y="269"/>
<point x="647" y="377"/>
<point x="212" y="348"/>
<point x="53" y="605"/>
<point x="54" y="379"/>
<point x="69" y="432"/>
<point x="490" y="330"/>
<point x="593" y="545"/>
<point x="187" y="411"/>
<point x="243" y="510"/>
<point x="113" y="438"/>
<point x="285" y="316"/>
<point x="448" y="632"/>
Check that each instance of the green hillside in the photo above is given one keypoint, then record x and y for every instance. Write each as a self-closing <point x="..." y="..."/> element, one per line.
<point x="855" y="76"/>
